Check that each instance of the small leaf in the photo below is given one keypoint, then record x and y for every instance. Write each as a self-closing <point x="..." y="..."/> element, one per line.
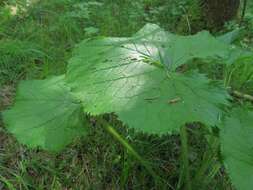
<point x="91" y="30"/>
<point x="237" y="147"/>
<point x="45" y="114"/>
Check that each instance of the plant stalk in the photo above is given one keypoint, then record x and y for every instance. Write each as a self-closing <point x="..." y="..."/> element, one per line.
<point x="185" y="160"/>
<point x="245" y="3"/>
<point x="129" y="148"/>
<point x="208" y="160"/>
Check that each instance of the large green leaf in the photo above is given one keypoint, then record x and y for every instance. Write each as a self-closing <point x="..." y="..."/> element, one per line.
<point x="154" y="44"/>
<point x="231" y="36"/>
<point x="127" y="76"/>
<point x="45" y="114"/>
<point x="237" y="148"/>
<point x="175" y="50"/>
<point x="182" y="49"/>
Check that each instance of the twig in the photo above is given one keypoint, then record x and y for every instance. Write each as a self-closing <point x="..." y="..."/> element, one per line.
<point x="242" y="95"/>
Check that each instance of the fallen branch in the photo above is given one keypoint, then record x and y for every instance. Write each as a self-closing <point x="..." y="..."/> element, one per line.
<point x="242" y="95"/>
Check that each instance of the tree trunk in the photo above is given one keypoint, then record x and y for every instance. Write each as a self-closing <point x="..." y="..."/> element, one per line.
<point x="217" y="12"/>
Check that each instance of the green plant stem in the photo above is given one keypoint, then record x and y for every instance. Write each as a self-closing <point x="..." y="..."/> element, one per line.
<point x="7" y="183"/>
<point x="216" y="168"/>
<point x="187" y="19"/>
<point x="184" y="154"/>
<point x="208" y="160"/>
<point x="126" y="145"/>
<point x="245" y="3"/>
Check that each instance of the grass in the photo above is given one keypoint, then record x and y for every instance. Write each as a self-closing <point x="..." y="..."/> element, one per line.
<point x="37" y="42"/>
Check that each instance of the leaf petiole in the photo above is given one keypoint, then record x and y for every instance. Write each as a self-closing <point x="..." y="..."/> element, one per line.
<point x="126" y="145"/>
